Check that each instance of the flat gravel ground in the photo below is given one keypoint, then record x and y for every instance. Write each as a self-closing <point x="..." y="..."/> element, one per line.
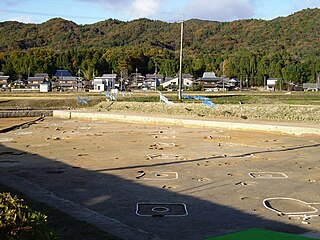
<point x="174" y="182"/>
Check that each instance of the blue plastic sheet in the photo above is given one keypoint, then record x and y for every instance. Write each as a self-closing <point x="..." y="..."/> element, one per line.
<point x="204" y="100"/>
<point x="83" y="100"/>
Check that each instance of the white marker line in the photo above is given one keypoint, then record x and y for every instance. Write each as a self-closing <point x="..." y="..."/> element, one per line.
<point x="252" y="174"/>
<point x="163" y="176"/>
<point x="290" y="213"/>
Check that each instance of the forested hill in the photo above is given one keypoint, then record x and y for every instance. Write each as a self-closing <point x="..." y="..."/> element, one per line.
<point x="298" y="33"/>
<point x="286" y="47"/>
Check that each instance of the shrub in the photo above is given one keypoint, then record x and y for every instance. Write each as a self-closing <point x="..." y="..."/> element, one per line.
<point x="18" y="221"/>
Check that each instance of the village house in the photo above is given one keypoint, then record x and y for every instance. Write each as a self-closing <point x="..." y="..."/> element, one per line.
<point x="152" y="81"/>
<point x="104" y="83"/>
<point x="19" y="84"/>
<point x="211" y="82"/>
<point x="34" y="82"/>
<point x="136" y="80"/>
<point x="3" y="81"/>
<point x="66" y="82"/>
<point x="271" y="84"/>
<point x="173" y="83"/>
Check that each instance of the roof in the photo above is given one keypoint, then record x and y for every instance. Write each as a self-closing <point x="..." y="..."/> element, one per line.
<point x="45" y="83"/>
<point x="177" y="79"/>
<point x="169" y="79"/>
<point x="35" y="78"/>
<point x="109" y="75"/>
<point x="149" y="80"/>
<point x="4" y="77"/>
<point x="44" y="75"/>
<point x="19" y="81"/>
<point x="62" y="73"/>
<point x="154" y="76"/>
<point x="209" y="75"/>
<point x="209" y="79"/>
<point x="69" y="79"/>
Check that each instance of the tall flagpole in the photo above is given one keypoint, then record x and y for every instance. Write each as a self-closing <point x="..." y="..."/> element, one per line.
<point x="180" y="71"/>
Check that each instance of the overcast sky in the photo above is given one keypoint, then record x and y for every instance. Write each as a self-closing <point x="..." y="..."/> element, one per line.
<point x="91" y="11"/>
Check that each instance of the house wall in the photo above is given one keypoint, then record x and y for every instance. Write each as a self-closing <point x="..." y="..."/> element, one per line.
<point x="99" y="87"/>
<point x="44" y="88"/>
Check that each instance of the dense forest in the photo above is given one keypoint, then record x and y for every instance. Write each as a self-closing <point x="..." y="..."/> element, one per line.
<point x="286" y="47"/>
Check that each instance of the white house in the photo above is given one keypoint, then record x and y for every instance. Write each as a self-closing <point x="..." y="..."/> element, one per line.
<point x="45" y="86"/>
<point x="173" y="83"/>
<point x="4" y="81"/>
<point x="271" y="83"/>
<point x="104" y="83"/>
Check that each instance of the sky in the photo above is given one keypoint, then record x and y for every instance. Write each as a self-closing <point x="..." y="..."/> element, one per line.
<point x="92" y="11"/>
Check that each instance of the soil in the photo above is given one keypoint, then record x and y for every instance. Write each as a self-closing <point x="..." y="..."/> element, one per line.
<point x="119" y="169"/>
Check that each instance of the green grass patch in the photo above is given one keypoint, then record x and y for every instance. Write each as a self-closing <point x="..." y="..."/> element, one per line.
<point x="259" y="234"/>
<point x="66" y="227"/>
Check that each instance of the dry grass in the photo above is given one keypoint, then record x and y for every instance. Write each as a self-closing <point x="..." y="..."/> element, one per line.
<point x="258" y="112"/>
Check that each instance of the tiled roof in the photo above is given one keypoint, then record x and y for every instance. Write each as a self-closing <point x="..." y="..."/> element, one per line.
<point x="35" y="78"/>
<point x="62" y="73"/>
<point x="4" y="77"/>
<point x="109" y="75"/>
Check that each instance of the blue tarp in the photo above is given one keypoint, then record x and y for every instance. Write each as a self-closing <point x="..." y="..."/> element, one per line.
<point x="83" y="100"/>
<point x="204" y="100"/>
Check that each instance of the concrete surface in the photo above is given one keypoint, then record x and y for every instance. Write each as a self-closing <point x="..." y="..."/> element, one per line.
<point x="109" y="167"/>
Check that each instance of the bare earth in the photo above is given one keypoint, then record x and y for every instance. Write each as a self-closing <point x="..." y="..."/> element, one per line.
<point x="118" y="169"/>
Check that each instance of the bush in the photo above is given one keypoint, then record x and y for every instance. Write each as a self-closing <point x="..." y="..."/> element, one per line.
<point x="197" y="87"/>
<point x="18" y="221"/>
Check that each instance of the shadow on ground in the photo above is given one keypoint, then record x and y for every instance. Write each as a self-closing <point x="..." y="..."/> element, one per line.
<point x="117" y="198"/>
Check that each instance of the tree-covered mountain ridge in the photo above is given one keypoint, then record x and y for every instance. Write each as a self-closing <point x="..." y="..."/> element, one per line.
<point x="297" y="33"/>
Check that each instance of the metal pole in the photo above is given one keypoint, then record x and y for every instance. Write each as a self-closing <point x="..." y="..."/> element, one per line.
<point x="155" y="83"/>
<point x="180" y="71"/>
<point x="222" y="84"/>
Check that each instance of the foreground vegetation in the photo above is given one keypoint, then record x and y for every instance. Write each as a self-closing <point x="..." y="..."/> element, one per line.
<point x="18" y="221"/>
<point x="59" y="226"/>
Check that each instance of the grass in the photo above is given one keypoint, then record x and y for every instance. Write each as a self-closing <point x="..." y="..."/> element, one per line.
<point x="257" y="112"/>
<point x="67" y="227"/>
<point x="275" y="106"/>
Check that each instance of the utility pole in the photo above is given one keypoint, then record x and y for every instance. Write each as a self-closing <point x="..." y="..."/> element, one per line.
<point x="155" y="77"/>
<point x="180" y="71"/>
<point x="121" y="80"/>
<point x="247" y="82"/>
<point x="222" y="84"/>
<point x="137" y="76"/>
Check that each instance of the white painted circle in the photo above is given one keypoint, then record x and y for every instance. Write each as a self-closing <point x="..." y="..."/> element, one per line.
<point x="160" y="209"/>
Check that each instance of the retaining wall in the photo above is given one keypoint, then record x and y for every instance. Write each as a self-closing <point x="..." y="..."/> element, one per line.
<point x="25" y="113"/>
<point x="295" y="130"/>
